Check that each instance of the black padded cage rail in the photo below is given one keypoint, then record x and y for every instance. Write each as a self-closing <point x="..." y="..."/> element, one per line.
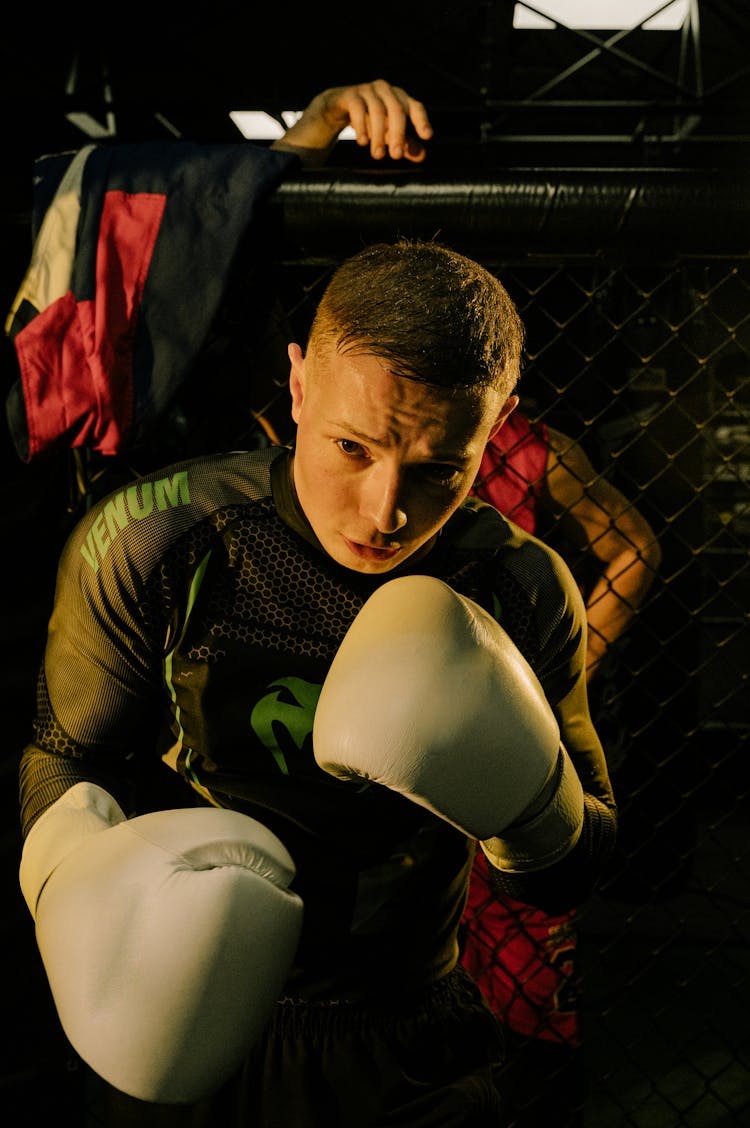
<point x="525" y="210"/>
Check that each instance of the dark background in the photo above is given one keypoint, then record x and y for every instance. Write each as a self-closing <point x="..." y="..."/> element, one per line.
<point x="624" y="125"/>
<point x="499" y="97"/>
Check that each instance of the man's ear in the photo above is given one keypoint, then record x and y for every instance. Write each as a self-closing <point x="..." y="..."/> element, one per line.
<point x="510" y="405"/>
<point x="296" y="379"/>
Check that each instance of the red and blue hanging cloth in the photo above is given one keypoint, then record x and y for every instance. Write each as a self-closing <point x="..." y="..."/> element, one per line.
<point x="132" y="248"/>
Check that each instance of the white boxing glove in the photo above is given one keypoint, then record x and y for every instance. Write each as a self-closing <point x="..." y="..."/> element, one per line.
<point x="428" y="696"/>
<point x="166" y="938"/>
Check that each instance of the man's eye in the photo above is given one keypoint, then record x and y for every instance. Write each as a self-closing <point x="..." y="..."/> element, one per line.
<point x="348" y="446"/>
<point x="441" y="473"/>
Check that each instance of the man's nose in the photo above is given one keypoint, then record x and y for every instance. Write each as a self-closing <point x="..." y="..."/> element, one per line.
<point x="384" y="502"/>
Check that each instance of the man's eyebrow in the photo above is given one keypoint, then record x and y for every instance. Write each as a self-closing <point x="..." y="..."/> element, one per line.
<point x="459" y="454"/>
<point x="340" y="425"/>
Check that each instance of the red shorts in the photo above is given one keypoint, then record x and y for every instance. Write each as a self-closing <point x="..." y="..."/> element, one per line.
<point x="523" y="961"/>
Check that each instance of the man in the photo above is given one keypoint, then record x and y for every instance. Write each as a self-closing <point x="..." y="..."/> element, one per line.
<point x="356" y="673"/>
<point x="537" y="475"/>
<point x="524" y="960"/>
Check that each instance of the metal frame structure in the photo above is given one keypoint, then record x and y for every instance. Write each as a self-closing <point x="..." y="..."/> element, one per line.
<point x="493" y="83"/>
<point x="645" y="90"/>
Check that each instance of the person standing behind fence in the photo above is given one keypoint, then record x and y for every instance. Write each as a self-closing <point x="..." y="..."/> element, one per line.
<point x="523" y="959"/>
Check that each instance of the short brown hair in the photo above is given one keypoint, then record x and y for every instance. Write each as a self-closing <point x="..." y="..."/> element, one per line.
<point x="431" y="313"/>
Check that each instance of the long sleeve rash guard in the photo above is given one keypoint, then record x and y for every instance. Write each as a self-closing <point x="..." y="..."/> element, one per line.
<point x="195" y="619"/>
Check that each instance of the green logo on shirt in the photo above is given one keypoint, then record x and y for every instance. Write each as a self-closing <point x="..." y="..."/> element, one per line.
<point x="295" y="717"/>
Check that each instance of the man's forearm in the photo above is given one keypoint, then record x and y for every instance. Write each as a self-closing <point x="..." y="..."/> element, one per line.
<point x="612" y="603"/>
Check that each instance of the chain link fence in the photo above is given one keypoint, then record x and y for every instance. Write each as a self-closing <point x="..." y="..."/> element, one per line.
<point x="648" y="368"/>
<point x="646" y="364"/>
<point x="643" y="357"/>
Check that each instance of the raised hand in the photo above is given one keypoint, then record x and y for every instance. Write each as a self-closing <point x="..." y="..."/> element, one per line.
<point x="383" y="116"/>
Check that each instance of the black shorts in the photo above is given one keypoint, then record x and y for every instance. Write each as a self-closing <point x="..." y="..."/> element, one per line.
<point x="433" y="1059"/>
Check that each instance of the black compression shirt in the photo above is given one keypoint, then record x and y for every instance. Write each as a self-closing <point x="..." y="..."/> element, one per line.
<point x="195" y="619"/>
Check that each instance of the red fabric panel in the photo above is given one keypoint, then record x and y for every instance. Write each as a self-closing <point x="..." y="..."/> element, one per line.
<point x="524" y="962"/>
<point x="512" y="468"/>
<point x="76" y="358"/>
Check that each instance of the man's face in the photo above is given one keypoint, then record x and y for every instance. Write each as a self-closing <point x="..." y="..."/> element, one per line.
<point x="381" y="462"/>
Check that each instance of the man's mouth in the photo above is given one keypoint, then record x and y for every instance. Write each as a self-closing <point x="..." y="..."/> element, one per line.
<point x="371" y="551"/>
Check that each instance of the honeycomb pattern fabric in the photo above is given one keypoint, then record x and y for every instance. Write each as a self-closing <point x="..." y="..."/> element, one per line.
<point x="196" y="619"/>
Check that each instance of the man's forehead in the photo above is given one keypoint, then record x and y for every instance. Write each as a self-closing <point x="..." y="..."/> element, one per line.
<point x="363" y="374"/>
<point x="325" y="354"/>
